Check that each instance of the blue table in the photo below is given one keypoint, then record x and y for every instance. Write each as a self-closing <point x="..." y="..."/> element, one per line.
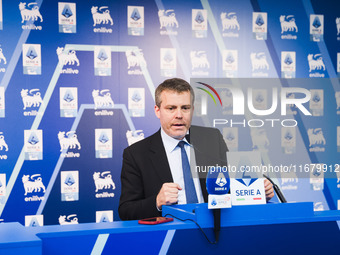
<point x="292" y="228"/>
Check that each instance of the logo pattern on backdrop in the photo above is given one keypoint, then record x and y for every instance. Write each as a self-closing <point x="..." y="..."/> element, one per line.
<point x="201" y="58"/>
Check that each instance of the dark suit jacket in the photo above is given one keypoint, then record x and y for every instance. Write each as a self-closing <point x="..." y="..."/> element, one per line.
<point x="145" y="169"/>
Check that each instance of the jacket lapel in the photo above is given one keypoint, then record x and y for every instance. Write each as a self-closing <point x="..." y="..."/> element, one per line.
<point x="159" y="159"/>
<point x="195" y="138"/>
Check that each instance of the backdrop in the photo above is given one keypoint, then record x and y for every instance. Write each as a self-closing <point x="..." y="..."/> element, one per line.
<point x="77" y="85"/>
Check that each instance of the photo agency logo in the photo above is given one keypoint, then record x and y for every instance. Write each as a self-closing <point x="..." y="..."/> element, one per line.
<point x="209" y="93"/>
<point x="251" y="99"/>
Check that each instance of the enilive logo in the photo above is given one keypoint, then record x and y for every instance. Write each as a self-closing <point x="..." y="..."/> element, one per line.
<point x="288" y="24"/>
<point x="102" y="99"/>
<point x="3" y="144"/>
<point x="68" y="57"/>
<point x="289" y="183"/>
<point x="337" y="98"/>
<point x="68" y="140"/>
<point x="31" y="98"/>
<point x="167" y="18"/>
<point x="229" y="21"/>
<point x="33" y="183"/>
<point x="259" y="139"/>
<point x="103" y="180"/>
<point x="199" y="60"/>
<point x="135" y="58"/>
<point x="2" y="57"/>
<point x="213" y="90"/>
<point x="30" y="13"/>
<point x="318" y="206"/>
<point x="316" y="139"/>
<point x="102" y="16"/>
<point x="134" y="136"/>
<point x="104" y="184"/>
<point x="258" y="61"/>
<point x="68" y="220"/>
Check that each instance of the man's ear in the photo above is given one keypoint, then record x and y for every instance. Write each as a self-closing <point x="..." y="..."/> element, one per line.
<point x="157" y="111"/>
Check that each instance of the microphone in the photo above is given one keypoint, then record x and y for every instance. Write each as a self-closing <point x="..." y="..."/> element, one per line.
<point x="218" y="185"/>
<point x="277" y="191"/>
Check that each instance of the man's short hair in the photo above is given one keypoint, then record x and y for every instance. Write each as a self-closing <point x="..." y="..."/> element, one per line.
<point x="175" y="84"/>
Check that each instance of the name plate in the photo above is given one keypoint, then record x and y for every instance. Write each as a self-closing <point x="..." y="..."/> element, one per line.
<point x="247" y="191"/>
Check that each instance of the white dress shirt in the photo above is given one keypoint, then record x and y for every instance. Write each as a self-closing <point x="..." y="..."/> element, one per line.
<point x="173" y="153"/>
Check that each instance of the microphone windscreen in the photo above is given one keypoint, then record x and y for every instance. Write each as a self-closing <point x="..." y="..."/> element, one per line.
<point x="218" y="181"/>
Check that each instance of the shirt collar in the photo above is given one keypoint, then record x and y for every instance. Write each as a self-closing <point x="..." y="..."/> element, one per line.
<point x="170" y="143"/>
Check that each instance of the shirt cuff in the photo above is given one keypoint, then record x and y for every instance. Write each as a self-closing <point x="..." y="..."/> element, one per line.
<point x="158" y="208"/>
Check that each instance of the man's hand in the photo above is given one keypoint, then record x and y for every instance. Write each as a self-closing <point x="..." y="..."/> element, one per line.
<point x="168" y="194"/>
<point x="268" y="187"/>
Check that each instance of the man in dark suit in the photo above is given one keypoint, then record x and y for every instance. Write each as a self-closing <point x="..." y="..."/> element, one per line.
<point x="152" y="173"/>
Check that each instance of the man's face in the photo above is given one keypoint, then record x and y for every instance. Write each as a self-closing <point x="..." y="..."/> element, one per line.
<point x="175" y="113"/>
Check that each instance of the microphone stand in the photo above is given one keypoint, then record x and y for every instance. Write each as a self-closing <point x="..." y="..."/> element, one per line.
<point x="217" y="223"/>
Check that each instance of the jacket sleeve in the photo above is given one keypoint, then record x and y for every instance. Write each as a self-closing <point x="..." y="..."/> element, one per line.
<point x="223" y="148"/>
<point x="133" y="204"/>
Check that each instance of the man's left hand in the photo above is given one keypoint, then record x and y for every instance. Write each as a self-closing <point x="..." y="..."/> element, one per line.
<point x="268" y="187"/>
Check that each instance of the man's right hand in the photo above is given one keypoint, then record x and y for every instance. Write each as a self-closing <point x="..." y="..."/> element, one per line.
<point x="168" y="194"/>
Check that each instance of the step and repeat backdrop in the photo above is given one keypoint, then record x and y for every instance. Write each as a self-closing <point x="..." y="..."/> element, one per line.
<point x="78" y="78"/>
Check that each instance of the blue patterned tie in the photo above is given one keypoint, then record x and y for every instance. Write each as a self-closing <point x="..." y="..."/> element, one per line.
<point x="189" y="186"/>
